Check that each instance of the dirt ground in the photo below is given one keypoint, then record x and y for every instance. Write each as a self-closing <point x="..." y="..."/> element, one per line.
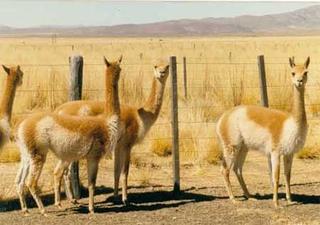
<point x="203" y="199"/>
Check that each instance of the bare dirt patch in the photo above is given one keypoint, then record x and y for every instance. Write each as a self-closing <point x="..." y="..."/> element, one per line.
<point x="203" y="199"/>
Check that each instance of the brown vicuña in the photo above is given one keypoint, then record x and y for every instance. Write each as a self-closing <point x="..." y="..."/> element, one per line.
<point x="13" y="80"/>
<point x="70" y="138"/>
<point x="136" y="122"/>
<point x="271" y="131"/>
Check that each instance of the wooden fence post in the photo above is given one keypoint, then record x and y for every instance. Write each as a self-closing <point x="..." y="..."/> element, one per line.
<point x="263" y="83"/>
<point x="185" y="77"/>
<point x="175" y="125"/>
<point x="75" y="92"/>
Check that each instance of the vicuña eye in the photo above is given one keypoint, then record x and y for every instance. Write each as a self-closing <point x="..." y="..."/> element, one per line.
<point x="293" y="73"/>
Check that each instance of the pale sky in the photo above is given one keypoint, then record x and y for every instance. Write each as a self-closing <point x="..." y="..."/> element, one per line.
<point x="26" y="13"/>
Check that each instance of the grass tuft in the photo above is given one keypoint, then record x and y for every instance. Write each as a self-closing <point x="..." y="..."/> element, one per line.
<point x="309" y="153"/>
<point x="9" y="155"/>
<point x="214" y="153"/>
<point x="161" y="147"/>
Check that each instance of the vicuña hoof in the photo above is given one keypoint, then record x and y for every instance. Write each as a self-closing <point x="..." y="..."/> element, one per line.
<point x="126" y="202"/>
<point x="116" y="200"/>
<point x="234" y="201"/>
<point x="58" y="205"/>
<point x="25" y="212"/>
<point x="43" y="212"/>
<point x="276" y="204"/>
<point x="290" y="202"/>
<point x="74" y="201"/>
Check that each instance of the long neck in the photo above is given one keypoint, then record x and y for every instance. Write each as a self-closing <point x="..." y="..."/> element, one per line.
<point x="298" y="108"/>
<point x="154" y="102"/>
<point x="7" y="99"/>
<point x="112" y="96"/>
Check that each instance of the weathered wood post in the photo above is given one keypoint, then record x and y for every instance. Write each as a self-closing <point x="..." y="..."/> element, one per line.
<point x="75" y="93"/>
<point x="185" y="77"/>
<point x="263" y="83"/>
<point x="175" y="125"/>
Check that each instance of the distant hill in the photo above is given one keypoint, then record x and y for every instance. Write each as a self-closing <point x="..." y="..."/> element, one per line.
<point x="298" y="22"/>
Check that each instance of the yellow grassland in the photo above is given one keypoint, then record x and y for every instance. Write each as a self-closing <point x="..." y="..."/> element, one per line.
<point x="222" y="72"/>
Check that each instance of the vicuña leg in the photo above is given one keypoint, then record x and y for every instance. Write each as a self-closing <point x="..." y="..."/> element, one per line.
<point x="125" y="173"/>
<point x="241" y="156"/>
<point x="275" y="159"/>
<point x="270" y="170"/>
<point x="287" y="163"/>
<point x="20" y="182"/>
<point x="229" y="156"/>
<point x="36" y="165"/>
<point x="92" y="167"/>
<point x="58" y="173"/>
<point x="67" y="183"/>
<point x="117" y="171"/>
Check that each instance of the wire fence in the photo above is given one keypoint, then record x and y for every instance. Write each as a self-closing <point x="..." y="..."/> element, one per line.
<point x="212" y="85"/>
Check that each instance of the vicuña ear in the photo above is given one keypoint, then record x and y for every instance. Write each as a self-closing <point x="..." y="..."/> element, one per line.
<point x="306" y="64"/>
<point x="120" y="59"/>
<point x="106" y="61"/>
<point x="6" y="69"/>
<point x="291" y="62"/>
<point x="167" y="67"/>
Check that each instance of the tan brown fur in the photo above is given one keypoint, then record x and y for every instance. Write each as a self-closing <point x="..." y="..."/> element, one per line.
<point x="91" y="127"/>
<point x="224" y="129"/>
<point x="72" y="108"/>
<point x="271" y="119"/>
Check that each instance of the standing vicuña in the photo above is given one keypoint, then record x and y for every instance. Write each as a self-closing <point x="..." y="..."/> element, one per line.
<point x="13" y="79"/>
<point x="136" y="122"/>
<point x="70" y="138"/>
<point x="271" y="131"/>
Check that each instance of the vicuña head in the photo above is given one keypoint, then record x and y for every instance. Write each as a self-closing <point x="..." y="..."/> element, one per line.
<point x="161" y="72"/>
<point x="15" y="74"/>
<point x="299" y="73"/>
<point x="114" y="68"/>
<point x="112" y="106"/>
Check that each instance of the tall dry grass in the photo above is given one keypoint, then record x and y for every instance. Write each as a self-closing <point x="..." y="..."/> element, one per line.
<point x="222" y="73"/>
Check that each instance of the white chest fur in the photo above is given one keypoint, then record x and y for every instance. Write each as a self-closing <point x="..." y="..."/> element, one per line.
<point x="113" y="124"/>
<point x="293" y="137"/>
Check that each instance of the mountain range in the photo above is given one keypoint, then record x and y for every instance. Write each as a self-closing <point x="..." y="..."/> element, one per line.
<point x="298" y="22"/>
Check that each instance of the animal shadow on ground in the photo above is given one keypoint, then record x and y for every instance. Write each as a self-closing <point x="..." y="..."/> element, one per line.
<point x="149" y="201"/>
<point x="298" y="198"/>
<point x="48" y="199"/>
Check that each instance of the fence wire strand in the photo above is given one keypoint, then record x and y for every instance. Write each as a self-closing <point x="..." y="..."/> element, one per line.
<point x="184" y="107"/>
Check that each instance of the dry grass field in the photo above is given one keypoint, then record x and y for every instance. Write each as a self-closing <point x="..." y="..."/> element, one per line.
<point x="222" y="72"/>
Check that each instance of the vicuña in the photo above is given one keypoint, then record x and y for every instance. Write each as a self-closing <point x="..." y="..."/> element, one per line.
<point x="273" y="132"/>
<point x="70" y="138"/>
<point x="13" y="80"/>
<point x="136" y="122"/>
